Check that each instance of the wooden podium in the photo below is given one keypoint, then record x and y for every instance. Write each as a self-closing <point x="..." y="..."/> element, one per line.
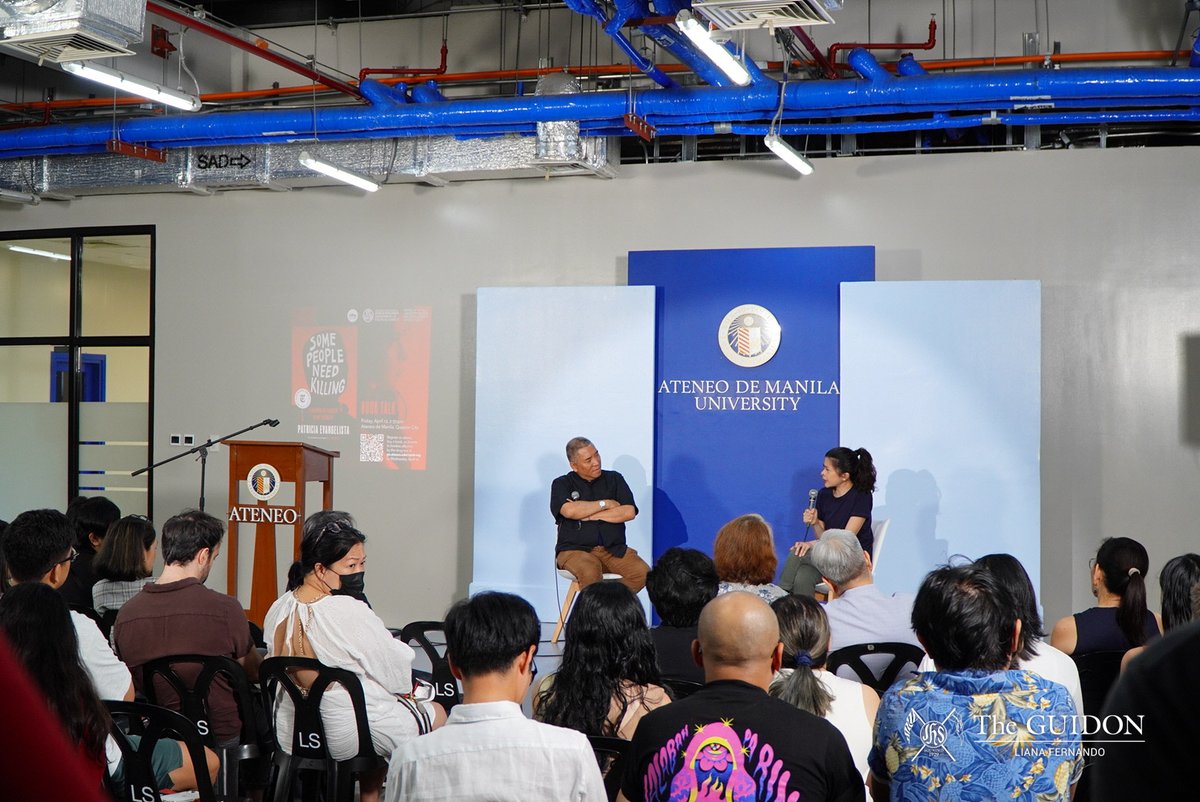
<point x="273" y="464"/>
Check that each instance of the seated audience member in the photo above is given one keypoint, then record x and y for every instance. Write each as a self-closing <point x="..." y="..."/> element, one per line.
<point x="90" y="517"/>
<point x="37" y="548"/>
<point x="488" y="750"/>
<point x="179" y="615"/>
<point x="744" y="554"/>
<point x="1158" y="693"/>
<point x="608" y="679"/>
<point x="681" y="582"/>
<point x="1120" y="619"/>
<point x="40" y="633"/>
<point x="125" y="563"/>
<point x="803" y="681"/>
<point x="320" y="519"/>
<point x="973" y="729"/>
<point x="321" y="617"/>
<point x="858" y="611"/>
<point x="1178" y="578"/>
<point x="1033" y="654"/>
<point x="730" y="739"/>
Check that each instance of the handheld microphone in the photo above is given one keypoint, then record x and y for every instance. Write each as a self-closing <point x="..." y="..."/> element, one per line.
<point x="574" y="495"/>
<point x="812" y="503"/>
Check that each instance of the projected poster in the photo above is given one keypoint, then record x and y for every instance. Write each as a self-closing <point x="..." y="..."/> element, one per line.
<point x="360" y="383"/>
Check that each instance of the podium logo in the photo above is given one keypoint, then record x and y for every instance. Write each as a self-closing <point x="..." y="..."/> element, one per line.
<point x="263" y="481"/>
<point x="749" y="336"/>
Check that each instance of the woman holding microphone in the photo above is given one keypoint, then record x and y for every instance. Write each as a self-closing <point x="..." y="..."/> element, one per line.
<point x="844" y="502"/>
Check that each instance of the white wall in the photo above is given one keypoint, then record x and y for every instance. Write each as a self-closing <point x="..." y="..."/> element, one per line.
<point x="1107" y="232"/>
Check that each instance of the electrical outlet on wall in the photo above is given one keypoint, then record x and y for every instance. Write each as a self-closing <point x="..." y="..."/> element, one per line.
<point x="189" y="439"/>
<point x="176" y="439"/>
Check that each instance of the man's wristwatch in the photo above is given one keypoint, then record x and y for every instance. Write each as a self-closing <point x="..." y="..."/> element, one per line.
<point x="603" y="504"/>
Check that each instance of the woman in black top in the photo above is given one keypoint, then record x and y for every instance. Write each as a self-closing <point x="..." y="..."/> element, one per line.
<point x="844" y="502"/>
<point x="1120" y="619"/>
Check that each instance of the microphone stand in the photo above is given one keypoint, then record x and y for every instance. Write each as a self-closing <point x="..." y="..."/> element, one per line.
<point x="202" y="450"/>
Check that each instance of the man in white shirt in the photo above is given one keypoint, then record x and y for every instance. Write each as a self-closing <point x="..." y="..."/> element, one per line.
<point x="858" y="611"/>
<point x="38" y="548"/>
<point x="488" y="750"/>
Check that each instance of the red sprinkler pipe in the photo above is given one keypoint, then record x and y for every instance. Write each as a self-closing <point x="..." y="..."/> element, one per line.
<point x="926" y="45"/>
<point x="402" y="71"/>
<point x="222" y="35"/>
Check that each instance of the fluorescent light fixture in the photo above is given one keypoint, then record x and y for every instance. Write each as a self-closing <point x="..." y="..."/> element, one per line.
<point x="793" y="157"/>
<point x="333" y="171"/>
<point x="133" y="85"/>
<point x="35" y="252"/>
<point x="12" y="196"/>
<point x="716" y="52"/>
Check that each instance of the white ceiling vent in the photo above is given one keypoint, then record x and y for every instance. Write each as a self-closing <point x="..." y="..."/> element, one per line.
<point x="71" y="30"/>
<point x="735" y="15"/>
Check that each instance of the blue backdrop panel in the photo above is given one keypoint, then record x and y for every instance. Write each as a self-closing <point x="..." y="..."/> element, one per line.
<point x="731" y="439"/>
<point x="941" y="382"/>
<point x="553" y="363"/>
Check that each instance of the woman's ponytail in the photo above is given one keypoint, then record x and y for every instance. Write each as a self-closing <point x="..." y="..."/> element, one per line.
<point x="863" y="474"/>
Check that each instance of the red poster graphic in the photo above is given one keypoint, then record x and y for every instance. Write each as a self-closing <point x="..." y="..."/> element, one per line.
<point x="325" y="380"/>
<point x="364" y="380"/>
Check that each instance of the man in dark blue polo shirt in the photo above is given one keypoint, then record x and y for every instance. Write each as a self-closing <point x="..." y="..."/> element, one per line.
<point x="591" y="506"/>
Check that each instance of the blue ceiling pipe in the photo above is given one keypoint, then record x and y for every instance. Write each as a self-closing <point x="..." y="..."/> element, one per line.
<point x="1132" y="94"/>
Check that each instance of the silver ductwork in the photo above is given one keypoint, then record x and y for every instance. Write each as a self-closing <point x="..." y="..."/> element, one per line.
<point x="71" y="30"/>
<point x="557" y="141"/>
<point x="432" y="160"/>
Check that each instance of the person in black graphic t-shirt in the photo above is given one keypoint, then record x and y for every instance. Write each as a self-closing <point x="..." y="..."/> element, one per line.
<point x="730" y="739"/>
<point x="591" y="506"/>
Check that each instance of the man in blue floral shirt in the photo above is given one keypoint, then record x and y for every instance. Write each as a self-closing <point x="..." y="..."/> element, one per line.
<point x="974" y="730"/>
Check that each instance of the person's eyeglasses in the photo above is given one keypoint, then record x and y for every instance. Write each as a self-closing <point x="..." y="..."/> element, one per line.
<point x="532" y="670"/>
<point x="1091" y="563"/>
<point x="70" y="558"/>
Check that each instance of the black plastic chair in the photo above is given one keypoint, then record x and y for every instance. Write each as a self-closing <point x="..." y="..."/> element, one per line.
<point x="193" y="692"/>
<point x="309" y="765"/>
<point x="611" y="754"/>
<point x="902" y="655"/>
<point x="445" y="686"/>
<point x="152" y="723"/>
<point x="681" y="688"/>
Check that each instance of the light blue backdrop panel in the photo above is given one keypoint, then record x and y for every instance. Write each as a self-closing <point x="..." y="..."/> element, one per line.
<point x="553" y="363"/>
<point x="941" y="382"/>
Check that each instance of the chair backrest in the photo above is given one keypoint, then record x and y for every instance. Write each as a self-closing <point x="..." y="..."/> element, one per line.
<point x="611" y="754"/>
<point x="1097" y="673"/>
<point x="681" y="688"/>
<point x="445" y="686"/>
<point x="878" y="532"/>
<point x="193" y="689"/>
<point x="901" y="654"/>
<point x="151" y="724"/>
<point x="308" y="731"/>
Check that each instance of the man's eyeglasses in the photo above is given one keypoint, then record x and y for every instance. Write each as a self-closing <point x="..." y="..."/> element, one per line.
<point x="70" y="558"/>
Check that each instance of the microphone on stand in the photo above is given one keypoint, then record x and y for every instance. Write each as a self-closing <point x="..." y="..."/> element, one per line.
<point x="274" y="422"/>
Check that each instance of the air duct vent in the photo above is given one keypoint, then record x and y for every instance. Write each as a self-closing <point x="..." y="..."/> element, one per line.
<point x="734" y="15"/>
<point x="71" y="30"/>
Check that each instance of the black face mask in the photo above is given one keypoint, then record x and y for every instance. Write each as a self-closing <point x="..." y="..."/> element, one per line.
<point x="353" y="585"/>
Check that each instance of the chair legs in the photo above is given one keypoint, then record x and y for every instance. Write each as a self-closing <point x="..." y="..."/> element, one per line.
<point x="565" y="611"/>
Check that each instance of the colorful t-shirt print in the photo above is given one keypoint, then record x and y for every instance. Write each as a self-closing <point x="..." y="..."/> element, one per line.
<point x="731" y="742"/>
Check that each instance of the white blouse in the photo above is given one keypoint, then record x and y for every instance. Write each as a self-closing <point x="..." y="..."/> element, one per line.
<point x="345" y="633"/>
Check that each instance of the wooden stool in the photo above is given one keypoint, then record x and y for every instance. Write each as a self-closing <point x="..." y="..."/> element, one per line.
<point x="571" y="591"/>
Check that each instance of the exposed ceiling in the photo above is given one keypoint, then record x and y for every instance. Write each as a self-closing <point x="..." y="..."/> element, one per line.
<point x="661" y="96"/>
